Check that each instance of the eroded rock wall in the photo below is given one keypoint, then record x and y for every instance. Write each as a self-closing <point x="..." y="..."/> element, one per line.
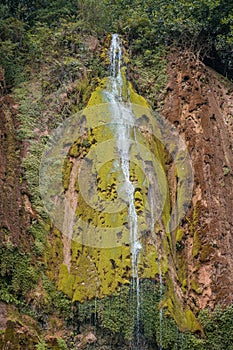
<point x="14" y="201"/>
<point x="199" y="102"/>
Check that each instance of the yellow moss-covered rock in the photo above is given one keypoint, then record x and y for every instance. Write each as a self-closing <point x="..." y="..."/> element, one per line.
<point x="53" y="255"/>
<point x="65" y="281"/>
<point x="149" y="263"/>
<point x="183" y="316"/>
<point x="195" y="286"/>
<point x="182" y="271"/>
<point x="136" y="98"/>
<point x="66" y="173"/>
<point x="97" y="96"/>
<point x="179" y="234"/>
<point x="94" y="271"/>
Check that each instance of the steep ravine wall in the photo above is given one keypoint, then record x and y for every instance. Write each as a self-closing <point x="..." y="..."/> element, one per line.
<point x="198" y="103"/>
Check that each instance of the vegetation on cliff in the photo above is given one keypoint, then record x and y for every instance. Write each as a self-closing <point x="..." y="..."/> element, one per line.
<point x="54" y="56"/>
<point x="204" y="26"/>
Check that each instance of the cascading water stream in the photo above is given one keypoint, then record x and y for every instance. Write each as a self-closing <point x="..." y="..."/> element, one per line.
<point x="123" y="118"/>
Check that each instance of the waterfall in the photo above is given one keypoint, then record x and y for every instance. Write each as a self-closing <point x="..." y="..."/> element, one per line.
<point x="123" y="118"/>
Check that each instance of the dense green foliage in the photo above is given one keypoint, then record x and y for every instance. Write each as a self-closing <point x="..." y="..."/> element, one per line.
<point x="205" y="27"/>
<point x="18" y="275"/>
<point x="117" y="315"/>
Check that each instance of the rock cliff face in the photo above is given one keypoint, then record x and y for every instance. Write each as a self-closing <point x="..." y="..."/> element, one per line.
<point x="14" y="213"/>
<point x="199" y="102"/>
<point x="197" y="267"/>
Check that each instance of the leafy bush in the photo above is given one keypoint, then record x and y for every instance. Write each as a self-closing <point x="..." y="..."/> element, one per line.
<point x="18" y="275"/>
<point x="56" y="300"/>
<point x="41" y="346"/>
<point x="62" y="344"/>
